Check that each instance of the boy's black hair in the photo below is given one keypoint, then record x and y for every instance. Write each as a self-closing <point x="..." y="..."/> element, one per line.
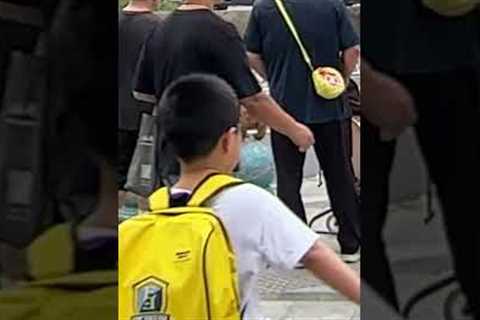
<point x="194" y="112"/>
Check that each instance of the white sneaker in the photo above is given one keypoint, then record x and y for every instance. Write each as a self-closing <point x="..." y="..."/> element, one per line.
<point x="351" y="257"/>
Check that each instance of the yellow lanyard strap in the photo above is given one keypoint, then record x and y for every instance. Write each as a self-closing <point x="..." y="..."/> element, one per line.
<point x="291" y="26"/>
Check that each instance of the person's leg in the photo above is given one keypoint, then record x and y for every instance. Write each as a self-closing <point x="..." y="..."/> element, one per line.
<point x="349" y="146"/>
<point x="376" y="164"/>
<point x="448" y="115"/>
<point x="333" y="156"/>
<point x="289" y="163"/>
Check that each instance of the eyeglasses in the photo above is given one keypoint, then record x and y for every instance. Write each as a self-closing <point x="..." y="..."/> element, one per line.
<point x="238" y="127"/>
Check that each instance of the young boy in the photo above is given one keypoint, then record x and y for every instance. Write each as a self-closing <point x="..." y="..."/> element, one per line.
<point x="199" y="116"/>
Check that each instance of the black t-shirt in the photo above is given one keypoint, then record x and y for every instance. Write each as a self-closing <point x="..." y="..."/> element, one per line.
<point x="133" y="29"/>
<point x="403" y="37"/>
<point x="14" y="36"/>
<point x="195" y="41"/>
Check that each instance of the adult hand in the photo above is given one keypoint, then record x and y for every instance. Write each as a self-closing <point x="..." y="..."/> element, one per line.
<point x="302" y="136"/>
<point x="248" y="122"/>
<point x="386" y="103"/>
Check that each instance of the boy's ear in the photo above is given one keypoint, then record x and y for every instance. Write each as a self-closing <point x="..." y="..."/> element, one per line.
<point x="225" y="141"/>
<point x="228" y="139"/>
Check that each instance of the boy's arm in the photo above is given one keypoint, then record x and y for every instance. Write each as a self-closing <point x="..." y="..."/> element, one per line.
<point x="324" y="263"/>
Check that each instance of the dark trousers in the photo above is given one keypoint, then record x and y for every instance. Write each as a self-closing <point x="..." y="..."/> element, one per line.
<point x="376" y="164"/>
<point x="127" y="141"/>
<point x="333" y="155"/>
<point x="448" y="106"/>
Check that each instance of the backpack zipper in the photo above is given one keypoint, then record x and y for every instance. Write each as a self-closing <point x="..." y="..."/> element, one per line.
<point x="205" y="280"/>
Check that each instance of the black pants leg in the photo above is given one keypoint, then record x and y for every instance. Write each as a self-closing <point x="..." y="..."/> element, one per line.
<point x="376" y="164"/>
<point x="331" y="148"/>
<point x="289" y="163"/>
<point x="127" y="141"/>
<point x="447" y="130"/>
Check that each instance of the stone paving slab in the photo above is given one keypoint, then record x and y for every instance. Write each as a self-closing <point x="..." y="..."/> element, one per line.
<point x="306" y="310"/>
<point x="419" y="256"/>
<point x="294" y="285"/>
<point x="297" y="294"/>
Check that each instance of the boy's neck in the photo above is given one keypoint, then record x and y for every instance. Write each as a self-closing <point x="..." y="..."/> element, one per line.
<point x="190" y="177"/>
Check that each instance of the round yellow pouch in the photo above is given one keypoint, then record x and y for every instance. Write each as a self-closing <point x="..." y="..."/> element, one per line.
<point x="451" y="8"/>
<point x="328" y="82"/>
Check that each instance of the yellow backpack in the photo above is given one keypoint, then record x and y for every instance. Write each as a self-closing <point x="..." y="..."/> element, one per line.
<point x="452" y="8"/>
<point x="178" y="263"/>
<point x="58" y="293"/>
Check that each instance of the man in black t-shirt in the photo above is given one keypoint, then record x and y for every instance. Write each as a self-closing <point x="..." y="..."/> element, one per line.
<point x="193" y="39"/>
<point x="436" y="59"/>
<point x="136" y="22"/>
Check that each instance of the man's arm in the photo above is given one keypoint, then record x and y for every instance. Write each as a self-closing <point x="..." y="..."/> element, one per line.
<point x="256" y="62"/>
<point x="264" y="109"/>
<point x="386" y="103"/>
<point x="232" y="65"/>
<point x="348" y="39"/>
<point x="324" y="263"/>
<point x="350" y="59"/>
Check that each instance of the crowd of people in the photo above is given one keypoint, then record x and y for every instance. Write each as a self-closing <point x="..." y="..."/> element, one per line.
<point x="193" y="70"/>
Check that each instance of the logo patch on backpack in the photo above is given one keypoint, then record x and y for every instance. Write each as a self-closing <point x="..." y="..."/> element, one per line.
<point x="150" y="300"/>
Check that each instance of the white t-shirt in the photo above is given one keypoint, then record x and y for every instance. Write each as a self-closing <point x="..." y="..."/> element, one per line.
<point x="262" y="231"/>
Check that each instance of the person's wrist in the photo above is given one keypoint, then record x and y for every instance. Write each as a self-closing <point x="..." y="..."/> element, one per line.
<point x="296" y="133"/>
<point x="299" y="127"/>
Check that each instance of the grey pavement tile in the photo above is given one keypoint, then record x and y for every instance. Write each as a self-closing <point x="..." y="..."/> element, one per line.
<point x="293" y="285"/>
<point x="419" y="256"/>
<point x="274" y="310"/>
<point x="296" y="285"/>
<point x="433" y="306"/>
<point x="306" y="310"/>
<point x="298" y="295"/>
<point x="409" y="219"/>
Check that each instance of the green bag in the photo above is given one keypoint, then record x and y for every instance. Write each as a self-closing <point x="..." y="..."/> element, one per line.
<point x="328" y="81"/>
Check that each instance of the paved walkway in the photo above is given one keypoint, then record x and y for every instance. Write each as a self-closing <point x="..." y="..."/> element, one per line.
<point x="419" y="256"/>
<point x="297" y="294"/>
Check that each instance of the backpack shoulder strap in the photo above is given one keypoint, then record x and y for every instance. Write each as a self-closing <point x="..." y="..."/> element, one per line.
<point x="159" y="200"/>
<point x="43" y="258"/>
<point x="211" y="186"/>
<point x="208" y="188"/>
